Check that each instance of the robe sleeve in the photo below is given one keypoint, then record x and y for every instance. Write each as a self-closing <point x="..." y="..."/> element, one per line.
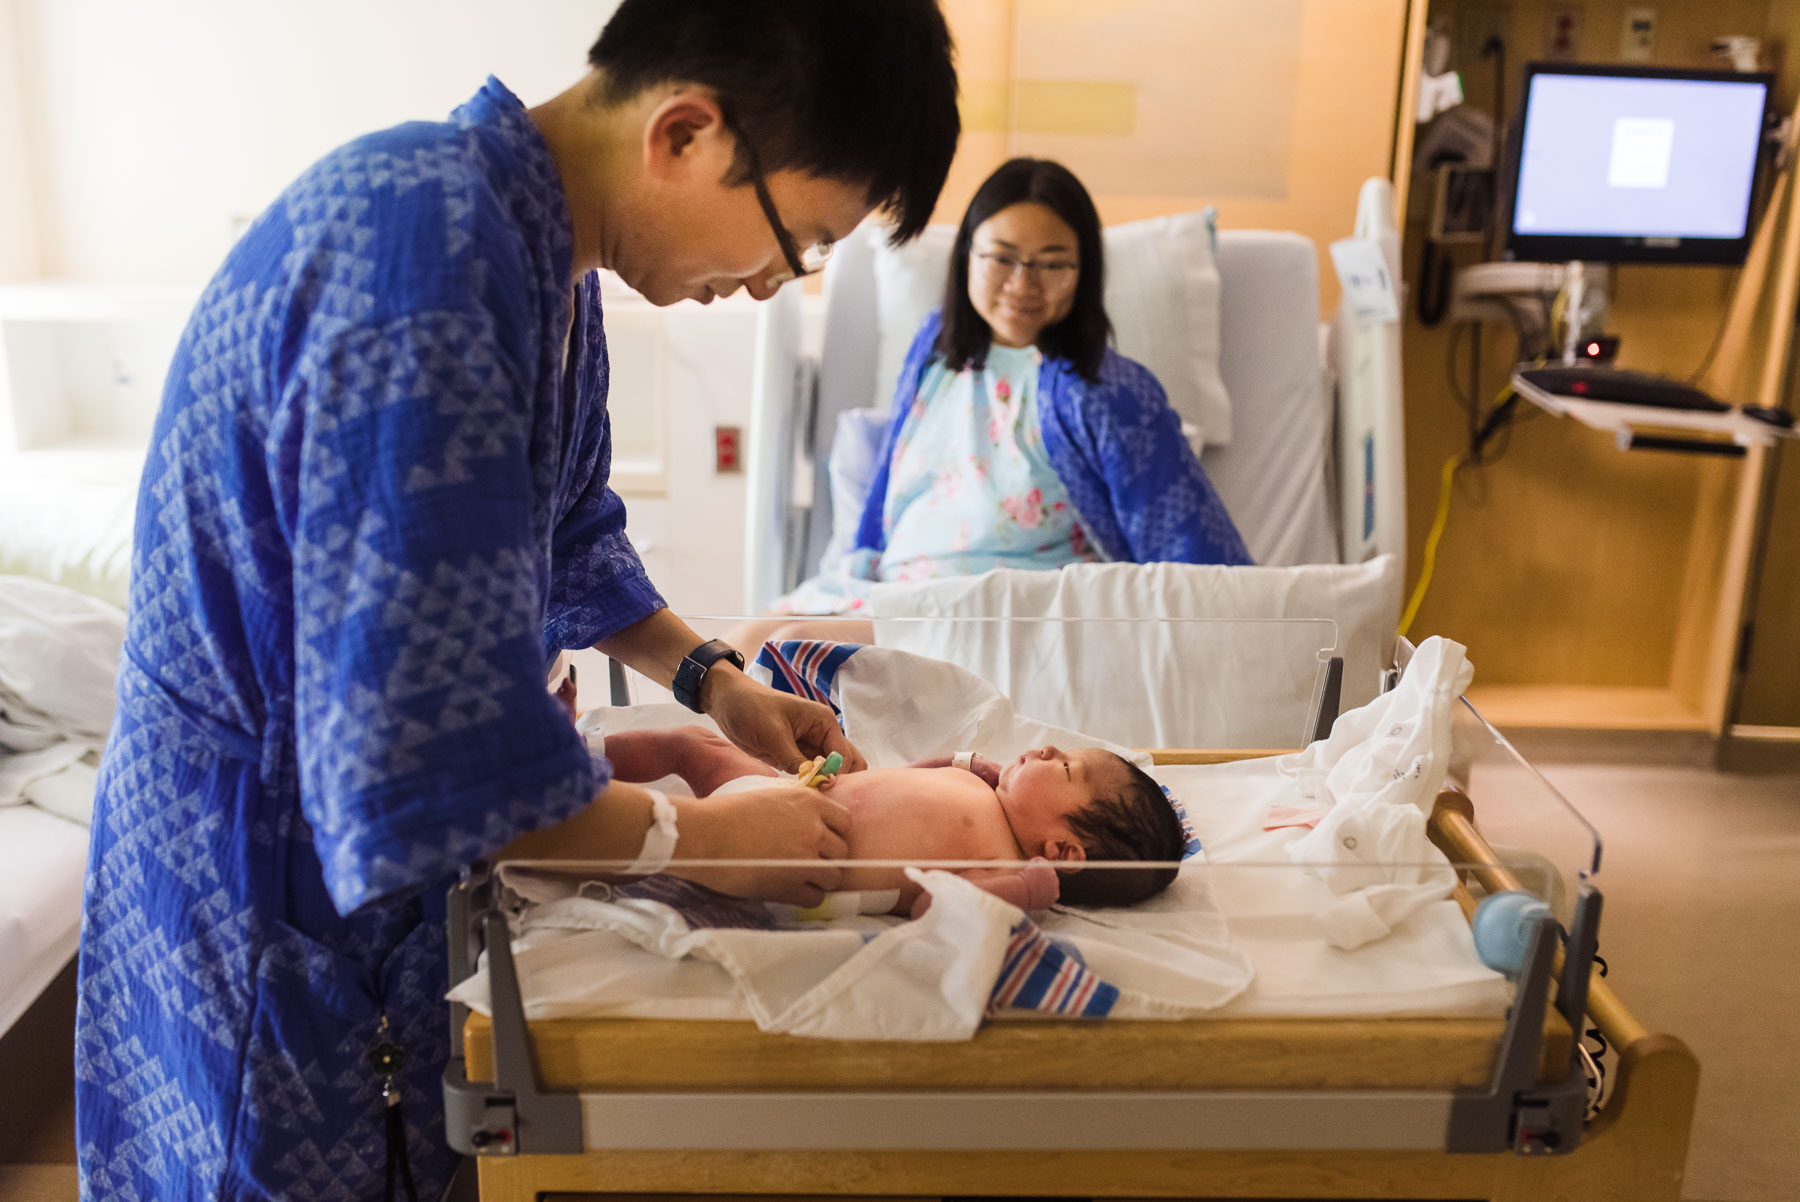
<point x="424" y="734"/>
<point x="1157" y="495"/>
<point x="598" y="585"/>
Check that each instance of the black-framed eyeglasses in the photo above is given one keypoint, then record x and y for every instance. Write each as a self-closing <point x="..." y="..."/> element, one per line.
<point x="800" y="262"/>
<point x="1052" y="275"/>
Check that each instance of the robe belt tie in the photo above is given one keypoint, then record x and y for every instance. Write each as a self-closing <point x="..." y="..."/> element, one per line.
<point x="228" y="741"/>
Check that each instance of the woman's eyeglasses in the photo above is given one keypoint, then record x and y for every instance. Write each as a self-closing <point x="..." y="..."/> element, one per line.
<point x="800" y="262"/>
<point x="1052" y="275"/>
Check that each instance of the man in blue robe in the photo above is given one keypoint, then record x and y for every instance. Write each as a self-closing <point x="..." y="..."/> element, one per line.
<point x="375" y="504"/>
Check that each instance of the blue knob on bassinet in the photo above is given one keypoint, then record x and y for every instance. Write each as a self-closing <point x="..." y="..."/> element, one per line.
<point x="1502" y="927"/>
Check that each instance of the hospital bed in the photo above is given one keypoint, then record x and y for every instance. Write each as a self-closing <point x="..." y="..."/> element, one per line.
<point x="1464" y="1088"/>
<point x="1308" y="458"/>
<point x="43" y="858"/>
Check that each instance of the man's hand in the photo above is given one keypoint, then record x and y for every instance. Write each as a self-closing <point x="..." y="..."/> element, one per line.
<point x="779" y="729"/>
<point x="782" y="822"/>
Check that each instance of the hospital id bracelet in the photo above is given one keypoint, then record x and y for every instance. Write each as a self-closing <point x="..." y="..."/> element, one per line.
<point x="693" y="670"/>
<point x="659" y="840"/>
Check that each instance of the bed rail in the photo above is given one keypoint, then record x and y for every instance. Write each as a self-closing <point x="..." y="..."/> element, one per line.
<point x="1452" y="829"/>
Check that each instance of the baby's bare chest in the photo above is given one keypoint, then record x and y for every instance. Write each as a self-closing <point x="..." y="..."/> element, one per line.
<point x="924" y="813"/>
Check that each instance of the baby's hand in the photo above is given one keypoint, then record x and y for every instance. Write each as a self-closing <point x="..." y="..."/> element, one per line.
<point x="986" y="769"/>
<point x="565" y="693"/>
<point x="1034" y="887"/>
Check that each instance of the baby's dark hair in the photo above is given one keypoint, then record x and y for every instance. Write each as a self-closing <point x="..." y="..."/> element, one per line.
<point x="1137" y="824"/>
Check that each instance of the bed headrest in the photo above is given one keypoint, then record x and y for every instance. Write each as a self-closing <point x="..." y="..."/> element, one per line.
<point x="1162" y="294"/>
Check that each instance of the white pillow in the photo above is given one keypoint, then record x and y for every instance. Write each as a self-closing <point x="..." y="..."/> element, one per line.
<point x="909" y="283"/>
<point x="1162" y="295"/>
<point x="1222" y="684"/>
<point x="853" y="451"/>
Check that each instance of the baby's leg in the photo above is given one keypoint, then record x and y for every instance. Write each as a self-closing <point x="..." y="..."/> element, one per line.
<point x="708" y="761"/>
<point x="697" y="755"/>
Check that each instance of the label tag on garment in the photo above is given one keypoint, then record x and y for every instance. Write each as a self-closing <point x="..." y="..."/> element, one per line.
<point x="1369" y="289"/>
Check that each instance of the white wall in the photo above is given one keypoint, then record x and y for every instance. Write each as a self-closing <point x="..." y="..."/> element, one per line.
<point x="157" y="127"/>
<point x="150" y="132"/>
<point x="19" y="259"/>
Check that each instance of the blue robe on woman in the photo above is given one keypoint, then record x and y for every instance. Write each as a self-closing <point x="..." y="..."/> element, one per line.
<point x="376" y="500"/>
<point x="1117" y="446"/>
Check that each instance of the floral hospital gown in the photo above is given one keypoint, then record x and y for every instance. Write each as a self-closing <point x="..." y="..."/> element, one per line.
<point x="970" y="487"/>
<point x="1024" y="464"/>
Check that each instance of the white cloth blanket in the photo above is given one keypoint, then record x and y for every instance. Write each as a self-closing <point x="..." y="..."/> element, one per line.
<point x="1378" y="774"/>
<point x="59" y="651"/>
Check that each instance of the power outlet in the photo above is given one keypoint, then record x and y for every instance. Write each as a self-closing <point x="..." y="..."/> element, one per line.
<point x="1637" y="36"/>
<point x="728" y="445"/>
<point x="1562" y="36"/>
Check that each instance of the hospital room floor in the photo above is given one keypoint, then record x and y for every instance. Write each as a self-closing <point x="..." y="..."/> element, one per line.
<point x="1700" y="874"/>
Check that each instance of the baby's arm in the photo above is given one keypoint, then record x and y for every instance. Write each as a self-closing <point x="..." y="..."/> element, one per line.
<point x="1034" y="887"/>
<point x="980" y="765"/>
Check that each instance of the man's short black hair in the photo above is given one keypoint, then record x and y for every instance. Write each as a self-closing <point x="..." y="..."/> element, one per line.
<point x="1079" y="338"/>
<point x="858" y="91"/>
<point x="1138" y="824"/>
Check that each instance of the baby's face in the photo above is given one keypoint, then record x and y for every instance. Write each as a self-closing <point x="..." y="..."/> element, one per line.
<point x="1041" y="788"/>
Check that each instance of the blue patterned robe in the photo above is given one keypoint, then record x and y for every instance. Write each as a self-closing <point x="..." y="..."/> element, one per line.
<point x="375" y="498"/>
<point x="1117" y="446"/>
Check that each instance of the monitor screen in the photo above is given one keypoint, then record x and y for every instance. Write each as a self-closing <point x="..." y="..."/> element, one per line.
<point x="1636" y="165"/>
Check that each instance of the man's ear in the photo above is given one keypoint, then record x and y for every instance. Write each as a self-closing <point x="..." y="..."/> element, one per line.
<point x="685" y="126"/>
<point x="1067" y="852"/>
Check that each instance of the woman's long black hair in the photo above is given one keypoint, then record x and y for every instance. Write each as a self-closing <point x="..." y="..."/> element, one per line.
<point x="1081" y="337"/>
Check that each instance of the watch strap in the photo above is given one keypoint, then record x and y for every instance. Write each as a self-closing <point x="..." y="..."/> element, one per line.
<point x="695" y="666"/>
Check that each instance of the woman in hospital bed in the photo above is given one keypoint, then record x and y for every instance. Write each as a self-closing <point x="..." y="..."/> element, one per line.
<point x="1051" y="805"/>
<point x="1019" y="438"/>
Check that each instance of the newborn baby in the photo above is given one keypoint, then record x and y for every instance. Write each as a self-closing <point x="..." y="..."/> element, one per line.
<point x="1063" y="806"/>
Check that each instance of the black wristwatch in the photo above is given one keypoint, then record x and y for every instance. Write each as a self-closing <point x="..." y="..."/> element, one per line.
<point x="693" y="670"/>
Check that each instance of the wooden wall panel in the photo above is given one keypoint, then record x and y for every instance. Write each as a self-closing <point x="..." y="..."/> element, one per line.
<point x="1771" y="694"/>
<point x="1345" y="62"/>
<point x="1568" y="562"/>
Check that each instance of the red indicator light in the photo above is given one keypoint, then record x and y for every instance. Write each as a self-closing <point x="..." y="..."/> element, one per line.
<point x="1593" y="348"/>
<point x="1579" y="388"/>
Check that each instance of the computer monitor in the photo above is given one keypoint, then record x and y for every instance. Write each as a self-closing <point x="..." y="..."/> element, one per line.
<point x="1636" y="164"/>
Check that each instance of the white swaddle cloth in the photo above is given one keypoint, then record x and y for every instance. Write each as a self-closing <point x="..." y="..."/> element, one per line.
<point x="1379" y="773"/>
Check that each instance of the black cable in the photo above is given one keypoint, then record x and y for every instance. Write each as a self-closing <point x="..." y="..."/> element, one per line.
<point x="1718" y="335"/>
<point x="1475" y="393"/>
<point x="1456" y="392"/>
<point x="1495" y="48"/>
<point x="1436" y="269"/>
<point x="1596" y="1081"/>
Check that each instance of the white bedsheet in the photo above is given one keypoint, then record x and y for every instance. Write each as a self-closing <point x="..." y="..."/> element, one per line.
<point x="42" y="858"/>
<point x="58" y="652"/>
<point x="1245" y="902"/>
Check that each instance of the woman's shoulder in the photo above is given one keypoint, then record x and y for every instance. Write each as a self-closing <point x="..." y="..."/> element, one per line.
<point x="1118" y="373"/>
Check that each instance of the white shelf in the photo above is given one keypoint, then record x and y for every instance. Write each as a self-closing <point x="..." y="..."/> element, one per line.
<point x="82" y="365"/>
<point x="68" y="302"/>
